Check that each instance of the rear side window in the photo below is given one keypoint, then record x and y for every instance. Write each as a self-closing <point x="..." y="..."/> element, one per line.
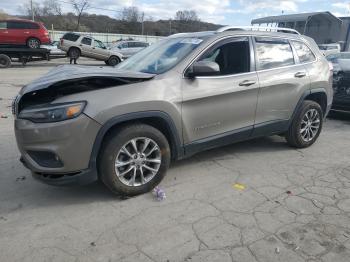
<point x="3" y="25"/>
<point x="32" y="26"/>
<point x="273" y="53"/>
<point x="71" y="37"/>
<point x="303" y="51"/>
<point x="86" y="41"/>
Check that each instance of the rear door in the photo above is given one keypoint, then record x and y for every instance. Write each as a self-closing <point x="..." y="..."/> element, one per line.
<point x="32" y="29"/>
<point x="3" y="33"/>
<point x="86" y="46"/>
<point x="282" y="80"/>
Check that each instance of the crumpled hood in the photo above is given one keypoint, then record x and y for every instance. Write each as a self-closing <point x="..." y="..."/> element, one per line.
<point x="70" y="72"/>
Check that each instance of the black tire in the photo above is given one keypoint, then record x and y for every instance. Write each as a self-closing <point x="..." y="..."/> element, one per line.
<point x="74" y="52"/>
<point x="33" y="43"/>
<point x="106" y="62"/>
<point x="5" y="61"/>
<point x="113" y="60"/>
<point x="293" y="135"/>
<point x="111" y="149"/>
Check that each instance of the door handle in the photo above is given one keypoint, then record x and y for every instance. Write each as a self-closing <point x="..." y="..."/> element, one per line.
<point x="300" y="74"/>
<point x="247" y="83"/>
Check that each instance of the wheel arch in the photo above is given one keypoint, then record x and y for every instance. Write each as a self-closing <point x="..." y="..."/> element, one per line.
<point x="318" y="95"/>
<point x="117" y="56"/>
<point x="158" y="119"/>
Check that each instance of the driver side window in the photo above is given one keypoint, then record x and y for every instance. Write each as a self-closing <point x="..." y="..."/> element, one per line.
<point x="232" y="56"/>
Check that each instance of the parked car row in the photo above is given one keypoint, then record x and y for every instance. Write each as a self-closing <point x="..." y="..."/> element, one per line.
<point x="77" y="45"/>
<point x="26" y="33"/>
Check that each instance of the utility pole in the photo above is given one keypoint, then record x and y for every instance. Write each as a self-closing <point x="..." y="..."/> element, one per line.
<point x="170" y="29"/>
<point x="142" y="23"/>
<point x="31" y="8"/>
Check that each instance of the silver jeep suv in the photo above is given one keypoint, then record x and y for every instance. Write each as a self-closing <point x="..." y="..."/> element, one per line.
<point x="185" y="94"/>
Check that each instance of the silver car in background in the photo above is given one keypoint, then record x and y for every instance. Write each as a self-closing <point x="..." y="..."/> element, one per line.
<point x="77" y="45"/>
<point x="129" y="48"/>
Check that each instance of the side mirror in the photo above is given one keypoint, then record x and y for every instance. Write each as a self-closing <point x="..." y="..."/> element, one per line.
<point x="203" y="68"/>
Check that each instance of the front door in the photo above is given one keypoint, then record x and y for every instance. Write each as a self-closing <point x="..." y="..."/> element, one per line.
<point x="221" y="106"/>
<point x="3" y="32"/>
<point x="99" y="50"/>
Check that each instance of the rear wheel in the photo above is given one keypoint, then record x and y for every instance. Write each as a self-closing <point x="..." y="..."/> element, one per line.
<point x="306" y="125"/>
<point x="134" y="159"/>
<point x="5" y="61"/>
<point x="33" y="43"/>
<point x="113" y="61"/>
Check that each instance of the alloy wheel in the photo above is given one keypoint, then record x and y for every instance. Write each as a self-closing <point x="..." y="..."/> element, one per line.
<point x="310" y="125"/>
<point x="138" y="161"/>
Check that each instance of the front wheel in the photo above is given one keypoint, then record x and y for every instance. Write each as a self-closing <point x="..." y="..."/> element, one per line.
<point x="113" y="61"/>
<point x="134" y="159"/>
<point x="306" y="125"/>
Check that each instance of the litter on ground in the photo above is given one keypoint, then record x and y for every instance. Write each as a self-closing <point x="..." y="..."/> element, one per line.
<point x="238" y="186"/>
<point x="159" y="193"/>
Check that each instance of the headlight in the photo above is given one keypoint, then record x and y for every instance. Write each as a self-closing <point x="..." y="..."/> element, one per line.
<point x="53" y="112"/>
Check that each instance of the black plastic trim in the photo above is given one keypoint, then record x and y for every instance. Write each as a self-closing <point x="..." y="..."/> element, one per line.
<point x="218" y="140"/>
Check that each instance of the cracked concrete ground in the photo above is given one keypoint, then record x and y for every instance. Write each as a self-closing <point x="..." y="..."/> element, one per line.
<point x="295" y="205"/>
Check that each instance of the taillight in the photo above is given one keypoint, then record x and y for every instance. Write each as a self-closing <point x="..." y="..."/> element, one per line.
<point x="61" y="41"/>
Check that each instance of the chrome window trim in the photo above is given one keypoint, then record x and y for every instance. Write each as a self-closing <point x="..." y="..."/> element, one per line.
<point x="291" y="38"/>
<point x="316" y="58"/>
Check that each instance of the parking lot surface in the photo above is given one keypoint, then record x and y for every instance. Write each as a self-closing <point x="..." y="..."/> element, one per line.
<point x="258" y="201"/>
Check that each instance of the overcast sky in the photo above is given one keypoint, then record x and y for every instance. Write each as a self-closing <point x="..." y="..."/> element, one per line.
<point x="239" y="12"/>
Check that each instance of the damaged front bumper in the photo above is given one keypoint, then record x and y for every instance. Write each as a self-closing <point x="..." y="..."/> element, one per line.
<point x="58" y="153"/>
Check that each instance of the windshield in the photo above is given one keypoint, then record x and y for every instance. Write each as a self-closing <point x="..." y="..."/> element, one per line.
<point x="161" y="56"/>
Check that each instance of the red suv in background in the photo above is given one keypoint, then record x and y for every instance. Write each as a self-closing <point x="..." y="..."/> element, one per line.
<point x="23" y="32"/>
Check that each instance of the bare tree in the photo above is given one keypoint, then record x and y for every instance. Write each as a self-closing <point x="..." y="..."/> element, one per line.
<point x="3" y="15"/>
<point x="51" y="7"/>
<point x="79" y="7"/>
<point x="131" y="14"/>
<point x="186" y="21"/>
<point x="186" y="16"/>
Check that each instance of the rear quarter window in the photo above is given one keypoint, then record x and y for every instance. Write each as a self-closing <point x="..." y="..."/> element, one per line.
<point x="3" y="25"/>
<point x="32" y="26"/>
<point x="71" y="37"/>
<point x="304" y="52"/>
<point x="273" y="53"/>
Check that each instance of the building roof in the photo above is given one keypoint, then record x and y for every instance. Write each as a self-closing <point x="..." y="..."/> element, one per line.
<point x="295" y="18"/>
